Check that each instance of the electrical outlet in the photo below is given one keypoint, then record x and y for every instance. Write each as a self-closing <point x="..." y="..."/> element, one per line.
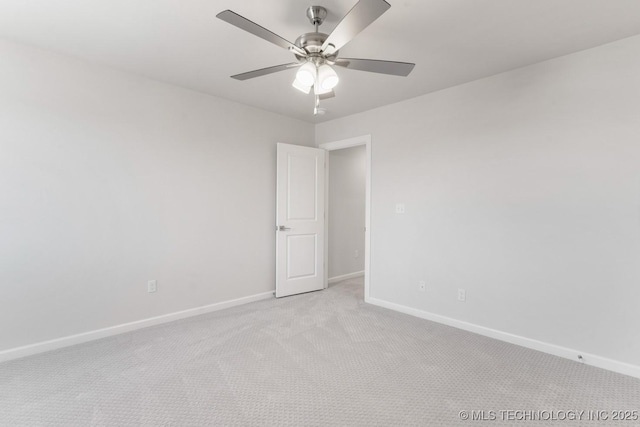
<point x="462" y="295"/>
<point x="152" y="286"/>
<point x="356" y="253"/>
<point x="400" y="208"/>
<point x="422" y="285"/>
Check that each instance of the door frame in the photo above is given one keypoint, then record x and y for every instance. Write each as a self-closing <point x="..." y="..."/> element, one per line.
<point x="338" y="145"/>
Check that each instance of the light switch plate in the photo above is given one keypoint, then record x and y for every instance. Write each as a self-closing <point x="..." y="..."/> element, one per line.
<point x="152" y="286"/>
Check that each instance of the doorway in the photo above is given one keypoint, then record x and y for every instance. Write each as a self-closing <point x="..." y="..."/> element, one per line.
<point x="343" y="223"/>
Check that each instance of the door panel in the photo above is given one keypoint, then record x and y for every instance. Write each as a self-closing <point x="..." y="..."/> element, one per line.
<point x="302" y="187"/>
<point x="300" y="220"/>
<point x="302" y="254"/>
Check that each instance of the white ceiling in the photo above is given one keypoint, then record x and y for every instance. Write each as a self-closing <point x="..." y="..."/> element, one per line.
<point x="451" y="41"/>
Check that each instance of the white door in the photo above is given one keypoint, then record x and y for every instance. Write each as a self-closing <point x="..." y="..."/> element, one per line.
<point x="299" y="220"/>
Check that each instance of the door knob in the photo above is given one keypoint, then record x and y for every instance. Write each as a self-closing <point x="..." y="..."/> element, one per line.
<point x="282" y="228"/>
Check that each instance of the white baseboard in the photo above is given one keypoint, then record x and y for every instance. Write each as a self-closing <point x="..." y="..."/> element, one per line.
<point x="567" y="353"/>
<point x="337" y="279"/>
<point x="41" y="347"/>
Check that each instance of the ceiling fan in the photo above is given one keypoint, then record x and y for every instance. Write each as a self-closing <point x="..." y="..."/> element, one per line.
<point x="316" y="52"/>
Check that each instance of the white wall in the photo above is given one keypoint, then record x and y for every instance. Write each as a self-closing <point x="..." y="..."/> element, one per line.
<point x="108" y="180"/>
<point x="523" y="189"/>
<point x="347" y="186"/>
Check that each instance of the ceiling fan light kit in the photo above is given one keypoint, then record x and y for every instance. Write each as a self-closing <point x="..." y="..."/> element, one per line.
<point x="327" y="77"/>
<point x="317" y="52"/>
<point x="306" y="75"/>
<point x="304" y="89"/>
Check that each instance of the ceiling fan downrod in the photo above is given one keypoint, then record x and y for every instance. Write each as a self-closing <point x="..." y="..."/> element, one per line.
<point x="316" y="15"/>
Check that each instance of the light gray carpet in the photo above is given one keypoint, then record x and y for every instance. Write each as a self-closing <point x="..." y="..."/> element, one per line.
<point x="322" y="359"/>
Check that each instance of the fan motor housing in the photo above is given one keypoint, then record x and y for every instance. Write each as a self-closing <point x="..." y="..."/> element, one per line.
<point x="312" y="43"/>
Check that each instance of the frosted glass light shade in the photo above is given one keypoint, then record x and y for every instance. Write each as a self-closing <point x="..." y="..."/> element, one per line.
<point x="327" y="78"/>
<point x="301" y="87"/>
<point x="317" y="90"/>
<point x="306" y="75"/>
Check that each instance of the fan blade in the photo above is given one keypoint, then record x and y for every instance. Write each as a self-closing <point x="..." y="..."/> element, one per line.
<point x="358" y="18"/>
<point x="255" y="29"/>
<point x="375" y="66"/>
<point x="265" y="71"/>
